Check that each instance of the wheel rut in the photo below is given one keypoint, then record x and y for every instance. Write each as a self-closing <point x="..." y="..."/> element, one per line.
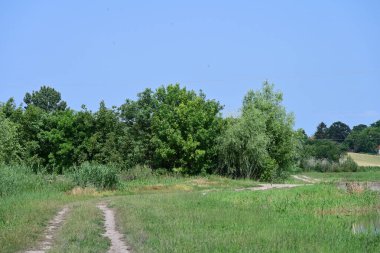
<point x="50" y="232"/>
<point x="117" y="243"/>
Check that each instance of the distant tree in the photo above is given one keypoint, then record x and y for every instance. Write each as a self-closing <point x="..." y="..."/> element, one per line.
<point x="338" y="131"/>
<point x="376" y="124"/>
<point x="11" y="111"/>
<point x="325" y="149"/>
<point x="321" y="132"/>
<point x="261" y="143"/>
<point x="359" y="128"/>
<point x="46" y="98"/>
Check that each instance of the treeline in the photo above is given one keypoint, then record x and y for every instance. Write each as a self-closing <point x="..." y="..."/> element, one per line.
<point x="170" y="128"/>
<point x="359" y="139"/>
<point x="325" y="150"/>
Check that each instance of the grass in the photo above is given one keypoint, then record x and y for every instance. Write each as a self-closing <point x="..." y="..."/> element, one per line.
<point x="167" y="184"/>
<point x="27" y="203"/>
<point x="314" y="218"/>
<point x="192" y="214"/>
<point x="82" y="231"/>
<point x="366" y="159"/>
<point x="361" y="175"/>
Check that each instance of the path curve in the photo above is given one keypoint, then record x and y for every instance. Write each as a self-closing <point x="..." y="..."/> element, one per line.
<point x="306" y="179"/>
<point x="117" y="243"/>
<point x="263" y="187"/>
<point x="54" y="225"/>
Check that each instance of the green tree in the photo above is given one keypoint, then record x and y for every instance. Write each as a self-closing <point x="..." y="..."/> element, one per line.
<point x="46" y="98"/>
<point x="137" y="134"/>
<point x="338" y="131"/>
<point x="172" y="128"/>
<point x="10" y="148"/>
<point x="261" y="143"/>
<point x="324" y="149"/>
<point x="185" y="126"/>
<point x="321" y="132"/>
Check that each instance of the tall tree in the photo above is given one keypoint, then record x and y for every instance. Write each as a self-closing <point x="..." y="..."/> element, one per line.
<point x="321" y="132"/>
<point x="338" y="131"/>
<point x="46" y="98"/>
<point x="261" y="143"/>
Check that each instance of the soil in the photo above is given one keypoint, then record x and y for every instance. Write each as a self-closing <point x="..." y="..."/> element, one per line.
<point x="117" y="243"/>
<point x="54" y="225"/>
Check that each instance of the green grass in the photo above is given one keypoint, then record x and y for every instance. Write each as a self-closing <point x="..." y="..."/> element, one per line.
<point x="82" y="231"/>
<point x="192" y="214"/>
<point x="27" y="203"/>
<point x="370" y="175"/>
<point x="366" y="159"/>
<point x="167" y="184"/>
<point x="307" y="219"/>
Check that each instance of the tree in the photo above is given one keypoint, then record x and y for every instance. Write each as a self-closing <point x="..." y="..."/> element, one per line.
<point x="324" y="149"/>
<point x="321" y="132"/>
<point x="185" y="126"/>
<point x="46" y="98"/>
<point x="172" y="128"/>
<point x="364" y="139"/>
<point x="10" y="149"/>
<point x="338" y="131"/>
<point x="261" y="144"/>
<point x="137" y="116"/>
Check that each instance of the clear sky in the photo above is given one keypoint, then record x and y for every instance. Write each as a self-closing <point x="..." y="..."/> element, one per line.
<point x="323" y="55"/>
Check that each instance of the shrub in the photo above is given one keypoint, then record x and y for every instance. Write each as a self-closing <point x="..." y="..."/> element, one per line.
<point x="99" y="176"/>
<point x="348" y="165"/>
<point x="138" y="172"/>
<point x="324" y="165"/>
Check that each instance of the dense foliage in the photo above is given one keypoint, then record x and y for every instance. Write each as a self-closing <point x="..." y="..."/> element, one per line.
<point x="171" y="129"/>
<point x="261" y="143"/>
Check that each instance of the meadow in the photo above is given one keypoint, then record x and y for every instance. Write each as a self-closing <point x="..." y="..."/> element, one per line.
<point x="170" y="213"/>
<point x="366" y="160"/>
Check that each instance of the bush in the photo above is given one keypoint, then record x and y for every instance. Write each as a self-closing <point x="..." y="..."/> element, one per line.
<point x="324" y="165"/>
<point x="348" y="165"/>
<point x="96" y="175"/>
<point x="138" y="172"/>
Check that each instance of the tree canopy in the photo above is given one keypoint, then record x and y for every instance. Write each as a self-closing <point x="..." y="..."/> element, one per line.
<point x="260" y="143"/>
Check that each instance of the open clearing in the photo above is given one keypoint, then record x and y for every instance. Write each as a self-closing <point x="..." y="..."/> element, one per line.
<point x="366" y="159"/>
<point x="201" y="215"/>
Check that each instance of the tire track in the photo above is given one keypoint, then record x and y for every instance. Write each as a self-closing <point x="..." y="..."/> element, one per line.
<point x="117" y="243"/>
<point x="50" y="232"/>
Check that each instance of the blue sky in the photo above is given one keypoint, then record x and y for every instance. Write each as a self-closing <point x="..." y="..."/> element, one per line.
<point x="323" y="55"/>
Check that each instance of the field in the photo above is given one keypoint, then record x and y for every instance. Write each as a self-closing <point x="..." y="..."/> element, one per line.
<point x="366" y="160"/>
<point x="193" y="214"/>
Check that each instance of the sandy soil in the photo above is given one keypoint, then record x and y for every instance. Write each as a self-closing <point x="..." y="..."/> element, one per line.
<point x="117" y="243"/>
<point x="54" y="225"/>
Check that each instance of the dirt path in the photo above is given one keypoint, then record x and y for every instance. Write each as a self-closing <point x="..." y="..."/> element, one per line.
<point x="306" y="179"/>
<point x="263" y="187"/>
<point x="54" y="225"/>
<point x="117" y="243"/>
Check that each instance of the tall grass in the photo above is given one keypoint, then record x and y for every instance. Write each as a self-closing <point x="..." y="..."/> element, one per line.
<point x="19" y="179"/>
<point x="96" y="175"/>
